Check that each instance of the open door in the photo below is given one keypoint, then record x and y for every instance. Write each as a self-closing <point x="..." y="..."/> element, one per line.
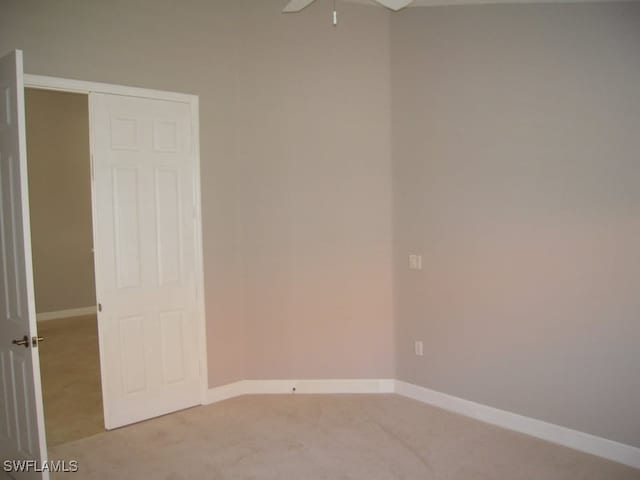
<point x="145" y="253"/>
<point x="22" y="435"/>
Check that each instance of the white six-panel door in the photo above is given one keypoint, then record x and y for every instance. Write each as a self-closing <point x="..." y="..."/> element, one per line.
<point x="145" y="227"/>
<point x="21" y="416"/>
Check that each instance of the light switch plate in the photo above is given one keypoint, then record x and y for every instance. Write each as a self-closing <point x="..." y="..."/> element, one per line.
<point x="415" y="262"/>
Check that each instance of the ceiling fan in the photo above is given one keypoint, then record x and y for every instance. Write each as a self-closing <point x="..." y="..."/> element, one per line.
<point x="297" y="5"/>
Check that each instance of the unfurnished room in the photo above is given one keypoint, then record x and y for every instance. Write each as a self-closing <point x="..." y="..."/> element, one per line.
<point x="355" y="239"/>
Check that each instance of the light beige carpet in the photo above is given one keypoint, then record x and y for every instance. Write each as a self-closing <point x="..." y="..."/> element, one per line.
<point x="70" y="372"/>
<point x="308" y="437"/>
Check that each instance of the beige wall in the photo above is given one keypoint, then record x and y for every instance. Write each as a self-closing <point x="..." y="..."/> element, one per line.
<point x="516" y="134"/>
<point x="295" y="151"/>
<point x="314" y="153"/>
<point x="60" y="199"/>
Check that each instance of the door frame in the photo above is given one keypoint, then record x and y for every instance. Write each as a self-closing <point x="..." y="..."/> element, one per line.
<point x="84" y="87"/>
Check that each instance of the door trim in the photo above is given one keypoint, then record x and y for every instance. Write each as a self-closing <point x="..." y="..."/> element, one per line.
<point x="44" y="82"/>
<point x="85" y="87"/>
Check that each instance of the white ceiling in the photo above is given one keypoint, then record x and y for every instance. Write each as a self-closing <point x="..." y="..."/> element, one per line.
<point x="429" y="3"/>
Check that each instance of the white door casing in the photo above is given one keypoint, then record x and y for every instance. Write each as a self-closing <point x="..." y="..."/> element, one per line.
<point x="145" y="229"/>
<point x="22" y="434"/>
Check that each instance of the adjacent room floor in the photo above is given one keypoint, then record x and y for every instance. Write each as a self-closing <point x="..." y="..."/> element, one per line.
<point x="70" y="371"/>
<point x="326" y="437"/>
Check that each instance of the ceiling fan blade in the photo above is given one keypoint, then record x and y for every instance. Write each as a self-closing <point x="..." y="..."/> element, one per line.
<point x="297" y="5"/>
<point x="395" y="4"/>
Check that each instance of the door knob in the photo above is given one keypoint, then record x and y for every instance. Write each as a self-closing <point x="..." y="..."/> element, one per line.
<point x="24" y="342"/>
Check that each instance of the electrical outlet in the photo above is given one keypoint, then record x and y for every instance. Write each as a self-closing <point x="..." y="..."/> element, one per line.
<point x="415" y="262"/>
<point x="419" y="348"/>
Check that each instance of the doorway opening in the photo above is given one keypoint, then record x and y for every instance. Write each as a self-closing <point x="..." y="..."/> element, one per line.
<point x="59" y="174"/>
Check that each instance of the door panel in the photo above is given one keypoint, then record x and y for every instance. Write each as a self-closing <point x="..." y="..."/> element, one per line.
<point x="21" y="415"/>
<point x="172" y="328"/>
<point x="126" y="234"/>
<point x="145" y="254"/>
<point x="168" y="208"/>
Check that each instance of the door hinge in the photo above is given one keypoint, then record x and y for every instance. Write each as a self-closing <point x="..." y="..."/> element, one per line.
<point x="99" y="307"/>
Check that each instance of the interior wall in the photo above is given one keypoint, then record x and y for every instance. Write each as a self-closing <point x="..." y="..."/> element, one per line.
<point x="295" y="160"/>
<point x="316" y="196"/>
<point x="515" y="147"/>
<point x="59" y="167"/>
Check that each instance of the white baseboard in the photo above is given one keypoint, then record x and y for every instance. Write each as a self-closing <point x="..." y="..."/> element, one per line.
<point x="74" y="312"/>
<point x="224" y="392"/>
<point x="252" y="387"/>
<point x="322" y="386"/>
<point x="584" y="442"/>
